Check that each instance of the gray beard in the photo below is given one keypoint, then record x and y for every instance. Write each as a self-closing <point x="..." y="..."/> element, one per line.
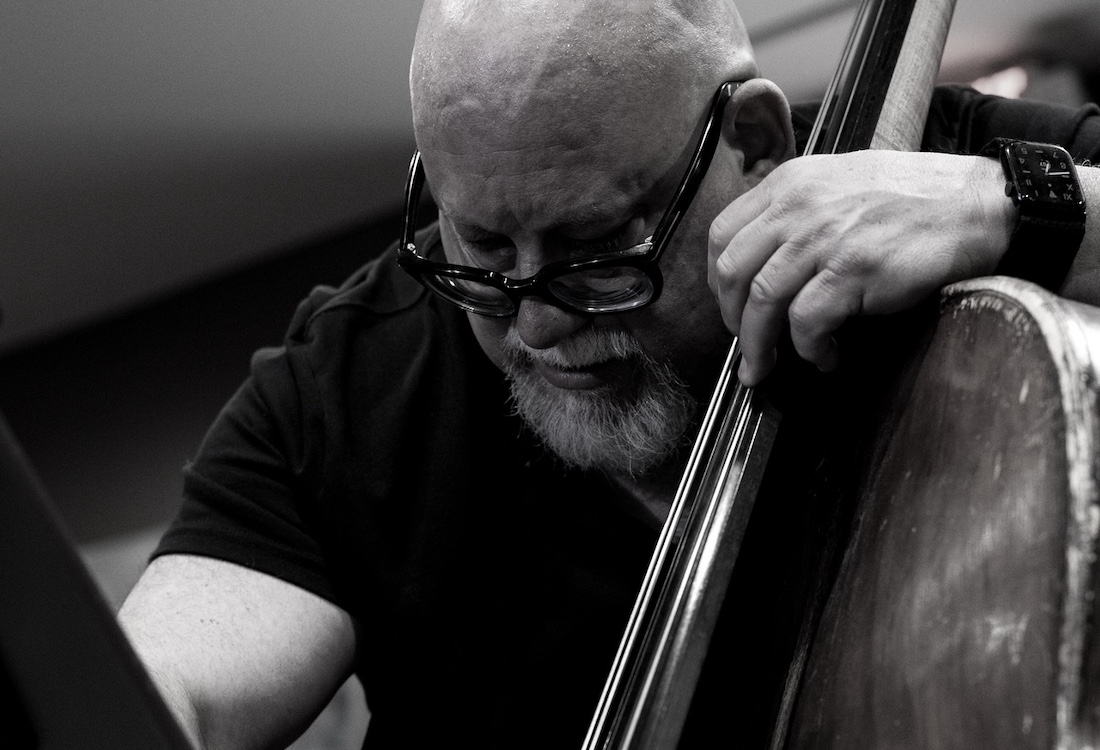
<point x="628" y="430"/>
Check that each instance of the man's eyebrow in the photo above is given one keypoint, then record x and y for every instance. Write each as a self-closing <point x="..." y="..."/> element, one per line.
<point x="468" y="226"/>
<point x="591" y="216"/>
<point x="597" y="221"/>
<point x="579" y="219"/>
<point x="653" y="195"/>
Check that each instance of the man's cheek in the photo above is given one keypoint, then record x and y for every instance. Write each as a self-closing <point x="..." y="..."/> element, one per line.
<point x="489" y="333"/>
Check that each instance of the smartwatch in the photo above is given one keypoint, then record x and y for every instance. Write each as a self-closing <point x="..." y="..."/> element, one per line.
<point x="1050" y="210"/>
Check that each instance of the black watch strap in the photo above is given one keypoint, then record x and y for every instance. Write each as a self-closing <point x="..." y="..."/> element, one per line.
<point x="1050" y="210"/>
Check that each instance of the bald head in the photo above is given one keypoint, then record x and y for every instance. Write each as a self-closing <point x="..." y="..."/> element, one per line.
<point x="559" y="129"/>
<point x="564" y="73"/>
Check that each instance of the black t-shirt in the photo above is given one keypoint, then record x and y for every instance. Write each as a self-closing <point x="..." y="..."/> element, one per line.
<point x="373" y="460"/>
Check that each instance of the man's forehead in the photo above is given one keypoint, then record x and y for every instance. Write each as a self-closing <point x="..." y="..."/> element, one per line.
<point x="540" y="126"/>
<point x="591" y="177"/>
<point x="549" y="105"/>
<point x="548" y="101"/>
<point x="506" y="191"/>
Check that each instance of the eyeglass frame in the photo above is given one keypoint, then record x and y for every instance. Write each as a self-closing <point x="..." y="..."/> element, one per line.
<point x="643" y="256"/>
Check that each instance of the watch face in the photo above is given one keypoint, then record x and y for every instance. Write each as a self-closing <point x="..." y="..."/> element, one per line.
<point x="1043" y="175"/>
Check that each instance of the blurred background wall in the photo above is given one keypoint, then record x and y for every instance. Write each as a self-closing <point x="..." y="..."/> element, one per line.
<point x="175" y="176"/>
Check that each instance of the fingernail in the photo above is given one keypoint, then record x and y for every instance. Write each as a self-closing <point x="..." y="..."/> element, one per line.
<point x="743" y="373"/>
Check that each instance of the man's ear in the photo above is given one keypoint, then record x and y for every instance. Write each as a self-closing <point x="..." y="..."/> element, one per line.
<point x="758" y="124"/>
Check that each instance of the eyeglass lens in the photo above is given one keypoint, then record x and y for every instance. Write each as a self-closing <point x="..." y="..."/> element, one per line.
<point x="604" y="289"/>
<point x="611" y="288"/>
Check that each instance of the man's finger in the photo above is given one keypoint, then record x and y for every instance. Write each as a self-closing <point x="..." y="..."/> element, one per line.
<point x="735" y="217"/>
<point x="818" y="311"/>
<point x="764" y="319"/>
<point x="732" y="272"/>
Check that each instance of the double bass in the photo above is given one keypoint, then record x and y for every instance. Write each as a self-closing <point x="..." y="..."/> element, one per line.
<point x="920" y="568"/>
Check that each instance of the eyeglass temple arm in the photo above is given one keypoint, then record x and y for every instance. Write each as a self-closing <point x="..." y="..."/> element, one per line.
<point x="413" y="186"/>
<point x="708" y="142"/>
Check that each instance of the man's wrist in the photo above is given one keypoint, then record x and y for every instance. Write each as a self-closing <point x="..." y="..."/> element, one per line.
<point x="1041" y="181"/>
<point x="998" y="215"/>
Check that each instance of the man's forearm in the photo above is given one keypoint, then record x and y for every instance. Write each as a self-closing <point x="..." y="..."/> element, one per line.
<point x="172" y="691"/>
<point x="243" y="659"/>
<point x="1083" y="282"/>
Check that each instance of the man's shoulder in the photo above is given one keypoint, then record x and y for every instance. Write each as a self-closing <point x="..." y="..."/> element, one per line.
<point x="380" y="331"/>
<point x="376" y="292"/>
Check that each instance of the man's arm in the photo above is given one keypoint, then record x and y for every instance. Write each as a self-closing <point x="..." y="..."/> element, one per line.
<point x="824" y="238"/>
<point x="1083" y="282"/>
<point x="244" y="660"/>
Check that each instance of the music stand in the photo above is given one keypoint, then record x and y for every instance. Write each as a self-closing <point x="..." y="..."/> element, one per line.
<point x="65" y="665"/>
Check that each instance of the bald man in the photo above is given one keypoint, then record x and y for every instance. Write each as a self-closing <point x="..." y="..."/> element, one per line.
<point x="449" y="478"/>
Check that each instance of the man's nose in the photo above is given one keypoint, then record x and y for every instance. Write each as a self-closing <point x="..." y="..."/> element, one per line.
<point x="541" y="325"/>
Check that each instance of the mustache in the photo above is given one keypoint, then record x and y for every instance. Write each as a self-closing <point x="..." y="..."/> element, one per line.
<point x="630" y="428"/>
<point x="585" y="348"/>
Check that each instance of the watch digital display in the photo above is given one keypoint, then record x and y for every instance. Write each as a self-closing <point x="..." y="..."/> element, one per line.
<point x="1041" y="180"/>
<point x="1042" y="174"/>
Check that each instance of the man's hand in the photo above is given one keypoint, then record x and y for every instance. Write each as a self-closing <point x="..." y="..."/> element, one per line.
<point x="823" y="238"/>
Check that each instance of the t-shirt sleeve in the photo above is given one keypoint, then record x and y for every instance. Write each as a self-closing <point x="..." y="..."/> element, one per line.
<point x="961" y="120"/>
<point x="243" y="494"/>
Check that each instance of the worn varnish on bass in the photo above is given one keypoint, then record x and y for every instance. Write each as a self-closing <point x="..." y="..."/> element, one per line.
<point x="964" y="613"/>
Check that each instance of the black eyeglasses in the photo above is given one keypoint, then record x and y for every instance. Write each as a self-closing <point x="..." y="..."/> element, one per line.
<point x="606" y="283"/>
